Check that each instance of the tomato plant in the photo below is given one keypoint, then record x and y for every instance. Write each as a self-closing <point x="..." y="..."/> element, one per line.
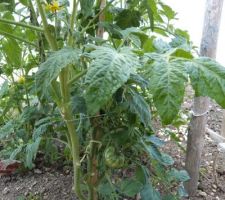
<point x="99" y="74"/>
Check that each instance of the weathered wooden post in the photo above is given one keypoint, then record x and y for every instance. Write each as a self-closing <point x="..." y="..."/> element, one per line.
<point x="223" y="124"/>
<point x="198" y="122"/>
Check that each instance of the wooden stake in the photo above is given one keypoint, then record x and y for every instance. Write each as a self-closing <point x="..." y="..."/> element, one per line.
<point x="201" y="104"/>
<point x="223" y="125"/>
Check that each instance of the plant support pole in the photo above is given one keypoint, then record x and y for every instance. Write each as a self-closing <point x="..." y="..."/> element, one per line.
<point x="223" y="125"/>
<point x="197" y="126"/>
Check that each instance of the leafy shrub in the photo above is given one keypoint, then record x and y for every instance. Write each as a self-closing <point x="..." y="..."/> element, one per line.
<point x="105" y="89"/>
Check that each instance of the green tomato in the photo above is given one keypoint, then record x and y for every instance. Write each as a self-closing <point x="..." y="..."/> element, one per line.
<point x="113" y="159"/>
<point x="20" y="141"/>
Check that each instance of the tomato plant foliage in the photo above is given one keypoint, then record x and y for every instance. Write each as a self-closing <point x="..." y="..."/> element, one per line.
<point x="50" y="69"/>
<point x="95" y="79"/>
<point x="108" y="72"/>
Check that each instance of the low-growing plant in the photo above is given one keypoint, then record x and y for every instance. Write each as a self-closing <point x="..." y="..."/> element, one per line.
<point x="107" y="68"/>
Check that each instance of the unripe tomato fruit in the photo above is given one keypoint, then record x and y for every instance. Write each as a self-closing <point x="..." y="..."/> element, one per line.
<point x="113" y="159"/>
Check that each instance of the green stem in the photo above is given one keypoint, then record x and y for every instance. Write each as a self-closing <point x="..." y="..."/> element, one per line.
<point x="90" y="166"/>
<point x="26" y="90"/>
<point x="17" y="102"/>
<point x="65" y="90"/>
<point x="56" y="24"/>
<point x="7" y="21"/>
<point x="65" y="101"/>
<point x="33" y="13"/>
<point x="72" y="22"/>
<point x="75" y="78"/>
<point x="89" y="170"/>
<point x="93" y="164"/>
<point x="75" y="146"/>
<point x="34" y="21"/>
<point x="51" y="40"/>
<point x="16" y="38"/>
<point x="65" y="106"/>
<point x="161" y="29"/>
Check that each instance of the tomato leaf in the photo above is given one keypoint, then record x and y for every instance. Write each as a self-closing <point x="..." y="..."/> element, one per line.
<point x="208" y="79"/>
<point x="167" y="159"/>
<point x="139" y="106"/>
<point x="6" y="129"/>
<point x="86" y="7"/>
<point x="4" y="88"/>
<point x="13" y="52"/>
<point x="182" y="53"/>
<point x="128" y="18"/>
<point x="168" y="11"/>
<point x="50" y="69"/>
<point x="130" y="187"/>
<point x="167" y="84"/>
<point x="148" y="192"/>
<point x="151" y="10"/>
<point x="181" y="175"/>
<point x="109" y="70"/>
<point x="155" y="140"/>
<point x="31" y="151"/>
<point x="24" y="2"/>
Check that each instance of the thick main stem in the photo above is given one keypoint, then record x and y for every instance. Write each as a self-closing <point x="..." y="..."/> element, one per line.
<point x="65" y="107"/>
<point x="75" y="150"/>
<point x="74" y="139"/>
<point x="72" y="23"/>
<point x="96" y="136"/>
<point x="93" y="162"/>
<point x="51" y="40"/>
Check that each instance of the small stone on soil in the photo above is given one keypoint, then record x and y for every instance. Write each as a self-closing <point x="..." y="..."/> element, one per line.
<point x="203" y="194"/>
<point x="37" y="171"/>
<point x="34" y="183"/>
<point x="6" y="191"/>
